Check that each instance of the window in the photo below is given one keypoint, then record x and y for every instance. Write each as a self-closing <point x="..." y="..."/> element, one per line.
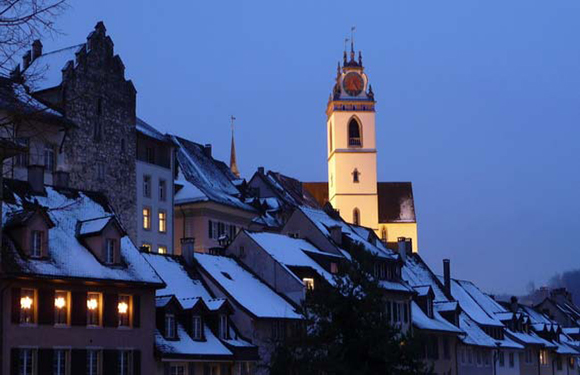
<point x="308" y="283"/>
<point x="27" y="306"/>
<point x="61" y="302"/>
<point x="123" y="145"/>
<point x="210" y="369"/>
<point x="147" y="186"/>
<point x="226" y="369"/>
<point x="501" y="356"/>
<point x="178" y="369"/>
<point x="433" y="348"/>
<point x="97" y="130"/>
<point x="93" y="362"/>
<point x="356" y="216"/>
<point x="36" y="243"/>
<point x="146" y="218"/>
<point x="354" y="139"/>
<point x="162" y="221"/>
<point x="49" y="158"/>
<point x="26" y="362"/>
<point x="59" y="362"/>
<point x="99" y="106"/>
<point x="232" y="231"/>
<point x="111" y="244"/>
<point x="124" y="307"/>
<point x="478" y="357"/>
<point x="406" y="313"/>
<point x="21" y="160"/>
<point x="101" y="171"/>
<point x="486" y="358"/>
<point x="146" y="247"/>
<point x="196" y="327"/>
<point x="278" y="330"/>
<point x="529" y="356"/>
<point x="388" y="310"/>
<point x="170" y="326"/>
<point x="162" y="249"/>
<point x="162" y="190"/>
<point x="245" y="368"/>
<point x="150" y="155"/>
<point x="544" y="357"/>
<point x="223" y="327"/>
<point x="355" y="176"/>
<point x="94" y="309"/>
<point x="512" y="359"/>
<point x="333" y="268"/>
<point x="559" y="363"/>
<point x="429" y="307"/>
<point x="470" y="356"/>
<point x="124" y="362"/>
<point x="242" y="252"/>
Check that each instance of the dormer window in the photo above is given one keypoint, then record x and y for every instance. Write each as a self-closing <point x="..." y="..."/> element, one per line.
<point x="333" y="268"/>
<point x="111" y="245"/>
<point x="196" y="327"/>
<point x="308" y="283"/>
<point x="170" y="326"/>
<point x="429" y="307"/>
<point x="36" y="243"/>
<point x="223" y="327"/>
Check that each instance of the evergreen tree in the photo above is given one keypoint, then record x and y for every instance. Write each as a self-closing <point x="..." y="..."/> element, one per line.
<point x="346" y="330"/>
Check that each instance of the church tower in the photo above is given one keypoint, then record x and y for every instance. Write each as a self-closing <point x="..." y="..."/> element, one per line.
<point x="352" y="154"/>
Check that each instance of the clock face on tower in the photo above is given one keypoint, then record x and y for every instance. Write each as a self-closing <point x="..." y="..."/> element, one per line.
<point x="353" y="83"/>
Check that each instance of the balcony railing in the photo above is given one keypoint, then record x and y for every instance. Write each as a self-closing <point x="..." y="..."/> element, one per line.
<point x="354" y="141"/>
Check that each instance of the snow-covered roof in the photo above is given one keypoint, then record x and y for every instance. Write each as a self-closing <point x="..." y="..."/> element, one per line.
<point x="212" y="177"/>
<point x="14" y="97"/>
<point x="149" y="131"/>
<point x="416" y="273"/>
<point x="94" y="226"/>
<point x="291" y="252"/>
<point x="474" y="335"/>
<point x="470" y="305"/>
<point x="184" y="345"/>
<point x="67" y="257"/>
<point x="245" y="288"/>
<point x="188" y="192"/>
<point x="46" y="70"/>
<point x="178" y="281"/>
<point x="437" y="323"/>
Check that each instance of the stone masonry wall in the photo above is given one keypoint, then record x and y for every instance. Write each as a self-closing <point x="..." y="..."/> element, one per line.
<point x="100" y="154"/>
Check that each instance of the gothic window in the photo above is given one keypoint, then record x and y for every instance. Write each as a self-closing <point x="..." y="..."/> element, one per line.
<point x="355" y="176"/>
<point x="356" y="216"/>
<point x="354" y="133"/>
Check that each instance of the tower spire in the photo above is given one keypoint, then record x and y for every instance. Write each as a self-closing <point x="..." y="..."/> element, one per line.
<point x="233" y="162"/>
<point x="352" y="29"/>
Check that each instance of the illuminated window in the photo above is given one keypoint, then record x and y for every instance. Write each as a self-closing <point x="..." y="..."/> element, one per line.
<point x="223" y="327"/>
<point x="544" y="357"/>
<point x="124" y="309"/>
<point x="196" y="328"/>
<point x="124" y="364"/>
<point x="146" y="247"/>
<point x="308" y="283"/>
<point x="110" y="250"/>
<point x="162" y="221"/>
<point x="60" y="362"/>
<point x="162" y="249"/>
<point x="354" y="138"/>
<point x="93" y="362"/>
<point x="356" y="216"/>
<point x="333" y="268"/>
<point x="26" y="362"/>
<point x="146" y="218"/>
<point x="27" y="306"/>
<point x="94" y="309"/>
<point x="355" y="176"/>
<point x="170" y="326"/>
<point x="36" y="243"/>
<point x="61" y="302"/>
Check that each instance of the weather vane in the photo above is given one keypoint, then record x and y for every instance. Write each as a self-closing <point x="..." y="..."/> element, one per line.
<point x="232" y="118"/>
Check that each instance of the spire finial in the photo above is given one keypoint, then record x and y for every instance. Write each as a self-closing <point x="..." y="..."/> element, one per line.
<point x="233" y="161"/>
<point x="338" y="69"/>
<point x="344" y="54"/>
<point x="352" y="29"/>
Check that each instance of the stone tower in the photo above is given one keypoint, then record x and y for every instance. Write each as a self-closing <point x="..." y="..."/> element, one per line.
<point x="352" y="154"/>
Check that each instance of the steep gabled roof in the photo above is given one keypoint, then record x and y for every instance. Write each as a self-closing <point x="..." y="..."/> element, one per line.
<point x="149" y="131"/>
<point x="45" y="71"/>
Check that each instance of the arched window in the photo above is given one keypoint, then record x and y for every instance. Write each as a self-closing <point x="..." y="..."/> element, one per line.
<point x="354" y="138"/>
<point x="355" y="176"/>
<point x="356" y="216"/>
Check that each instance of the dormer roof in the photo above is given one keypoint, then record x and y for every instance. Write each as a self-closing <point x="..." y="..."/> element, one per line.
<point x="94" y="227"/>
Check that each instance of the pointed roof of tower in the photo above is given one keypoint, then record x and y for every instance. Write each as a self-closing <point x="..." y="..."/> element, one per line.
<point x="233" y="161"/>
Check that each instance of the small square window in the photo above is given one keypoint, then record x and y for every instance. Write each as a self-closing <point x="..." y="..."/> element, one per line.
<point x="308" y="283"/>
<point x="146" y="247"/>
<point x="162" y="249"/>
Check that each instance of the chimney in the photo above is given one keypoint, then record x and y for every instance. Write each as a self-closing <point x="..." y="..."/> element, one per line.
<point x="447" y="276"/>
<point x="36" y="49"/>
<point x="261" y="170"/>
<point x="26" y="60"/>
<point x="60" y="179"/>
<point x="514" y="304"/>
<point x="187" y="250"/>
<point x="207" y="150"/>
<point x="36" y="178"/>
<point x="336" y="234"/>
<point x="402" y="248"/>
<point x="409" y="246"/>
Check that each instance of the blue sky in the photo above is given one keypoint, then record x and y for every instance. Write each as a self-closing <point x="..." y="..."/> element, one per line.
<point x="478" y="106"/>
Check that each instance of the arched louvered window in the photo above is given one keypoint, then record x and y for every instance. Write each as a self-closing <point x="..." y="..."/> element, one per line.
<point x="356" y="216"/>
<point x="354" y="133"/>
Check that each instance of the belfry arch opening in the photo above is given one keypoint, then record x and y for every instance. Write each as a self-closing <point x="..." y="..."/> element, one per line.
<point x="354" y="133"/>
<point x="356" y="216"/>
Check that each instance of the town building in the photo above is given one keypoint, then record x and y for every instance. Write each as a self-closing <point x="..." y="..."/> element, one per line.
<point x="560" y="307"/>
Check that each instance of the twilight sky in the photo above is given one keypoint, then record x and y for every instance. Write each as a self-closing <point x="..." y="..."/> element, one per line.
<point x="478" y="106"/>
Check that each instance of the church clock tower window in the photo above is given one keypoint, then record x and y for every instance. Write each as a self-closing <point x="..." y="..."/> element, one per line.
<point x="354" y="139"/>
<point x="355" y="176"/>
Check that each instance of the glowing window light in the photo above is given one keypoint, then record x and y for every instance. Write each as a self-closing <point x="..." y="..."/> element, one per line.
<point x="59" y="302"/>
<point x="123" y="307"/>
<point x="92" y="304"/>
<point x="26" y="303"/>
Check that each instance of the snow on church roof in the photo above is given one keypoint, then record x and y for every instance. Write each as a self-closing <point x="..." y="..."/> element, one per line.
<point x="67" y="257"/>
<point x="246" y="289"/>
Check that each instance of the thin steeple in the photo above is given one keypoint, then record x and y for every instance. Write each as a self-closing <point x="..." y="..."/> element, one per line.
<point x="233" y="162"/>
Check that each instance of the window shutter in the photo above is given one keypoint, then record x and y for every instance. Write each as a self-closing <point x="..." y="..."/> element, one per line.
<point x="78" y="361"/>
<point x="46" y="306"/>
<point x="44" y="366"/>
<point x="210" y="229"/>
<point x="136" y="362"/>
<point x="136" y="311"/>
<point x="110" y="358"/>
<point x="16" y="305"/>
<point x="14" y="356"/>
<point x="79" y="309"/>
<point x="110" y="310"/>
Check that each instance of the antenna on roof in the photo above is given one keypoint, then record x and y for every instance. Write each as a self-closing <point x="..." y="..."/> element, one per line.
<point x="233" y="161"/>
